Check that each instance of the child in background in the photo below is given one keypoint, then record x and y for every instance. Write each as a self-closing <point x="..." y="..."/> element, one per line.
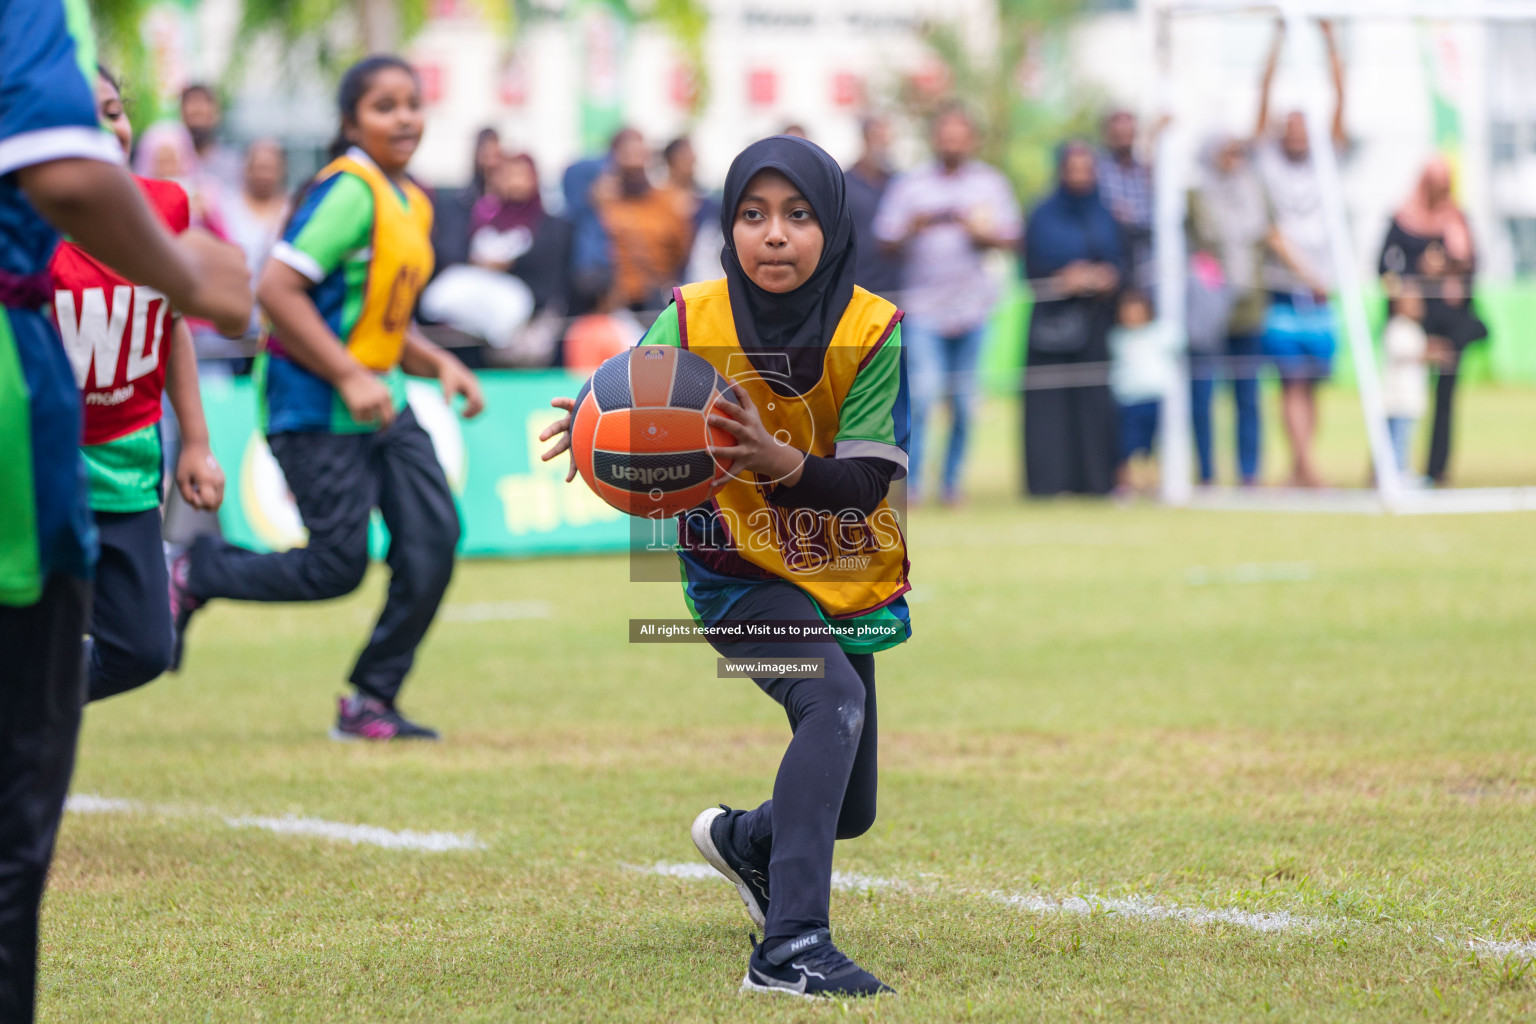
<point x="1143" y="362"/>
<point x="339" y="291"/>
<point x="128" y="346"/>
<point x="1405" y="379"/>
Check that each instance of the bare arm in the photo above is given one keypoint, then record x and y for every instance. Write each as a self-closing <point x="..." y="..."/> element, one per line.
<point x="198" y="475"/>
<point x="284" y="296"/>
<point x="421" y="358"/>
<point x="919" y="223"/>
<point x="1288" y="256"/>
<point x="1266" y="83"/>
<point x="990" y="238"/>
<point x="1336" y="67"/>
<point x="98" y="205"/>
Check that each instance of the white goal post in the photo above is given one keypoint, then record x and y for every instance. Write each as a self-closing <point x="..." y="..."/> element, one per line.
<point x="1161" y="17"/>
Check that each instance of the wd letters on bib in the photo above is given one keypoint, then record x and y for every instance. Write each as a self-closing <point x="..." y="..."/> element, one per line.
<point x="117" y="336"/>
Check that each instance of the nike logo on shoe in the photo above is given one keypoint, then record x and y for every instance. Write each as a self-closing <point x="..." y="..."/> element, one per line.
<point x="764" y="981"/>
<point x="804" y="942"/>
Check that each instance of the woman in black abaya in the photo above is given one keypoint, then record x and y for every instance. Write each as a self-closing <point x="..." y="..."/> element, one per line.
<point x="1075" y="259"/>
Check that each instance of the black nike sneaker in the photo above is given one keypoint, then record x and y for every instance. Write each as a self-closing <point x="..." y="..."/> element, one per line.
<point x="368" y="718"/>
<point x="712" y="835"/>
<point x="811" y="967"/>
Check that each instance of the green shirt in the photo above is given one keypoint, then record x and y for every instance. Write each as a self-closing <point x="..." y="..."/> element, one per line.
<point x="125" y="473"/>
<point x="330" y="242"/>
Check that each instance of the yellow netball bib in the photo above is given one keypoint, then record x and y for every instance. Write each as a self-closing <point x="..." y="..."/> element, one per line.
<point x="849" y="563"/>
<point x="402" y="261"/>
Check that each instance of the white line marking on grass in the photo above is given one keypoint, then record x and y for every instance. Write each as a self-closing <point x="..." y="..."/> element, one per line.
<point x="1148" y="909"/>
<point x="1255" y="572"/>
<point x="843" y="881"/>
<point x="90" y="803"/>
<point x="336" y="831"/>
<point x="371" y="835"/>
<point x="1139" y="908"/>
<point x="495" y="611"/>
<point x="1503" y="949"/>
<point x="852" y="881"/>
<point x="692" y="872"/>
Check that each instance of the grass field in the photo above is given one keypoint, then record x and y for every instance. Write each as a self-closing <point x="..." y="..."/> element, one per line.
<point x="1139" y="764"/>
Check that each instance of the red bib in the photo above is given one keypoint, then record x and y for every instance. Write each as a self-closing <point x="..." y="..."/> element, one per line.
<point x="117" y="333"/>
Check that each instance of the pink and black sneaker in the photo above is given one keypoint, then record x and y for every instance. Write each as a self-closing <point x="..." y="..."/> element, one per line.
<point x="368" y="718"/>
<point x="183" y="605"/>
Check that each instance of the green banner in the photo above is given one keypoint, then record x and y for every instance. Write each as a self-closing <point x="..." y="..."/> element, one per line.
<point x="510" y="503"/>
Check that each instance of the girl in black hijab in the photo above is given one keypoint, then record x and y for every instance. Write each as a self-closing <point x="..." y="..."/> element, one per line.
<point x="799" y="541"/>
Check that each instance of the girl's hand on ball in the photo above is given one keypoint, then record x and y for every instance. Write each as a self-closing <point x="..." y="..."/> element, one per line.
<point x="561" y="428"/>
<point x="756" y="449"/>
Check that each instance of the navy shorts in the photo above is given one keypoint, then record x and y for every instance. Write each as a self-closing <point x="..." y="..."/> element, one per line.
<point x="1138" y="428"/>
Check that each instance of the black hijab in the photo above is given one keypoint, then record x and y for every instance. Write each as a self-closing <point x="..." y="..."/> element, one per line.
<point x="800" y="323"/>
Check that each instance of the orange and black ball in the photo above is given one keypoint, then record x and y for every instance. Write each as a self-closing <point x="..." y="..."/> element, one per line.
<point x="639" y="432"/>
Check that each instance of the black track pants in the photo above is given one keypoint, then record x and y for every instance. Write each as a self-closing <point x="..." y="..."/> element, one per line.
<point x="826" y="785"/>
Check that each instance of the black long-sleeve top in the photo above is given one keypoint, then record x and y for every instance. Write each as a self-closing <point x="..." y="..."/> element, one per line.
<point x="836" y="485"/>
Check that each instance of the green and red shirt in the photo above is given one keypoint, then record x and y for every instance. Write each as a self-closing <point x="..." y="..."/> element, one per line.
<point x="118" y="338"/>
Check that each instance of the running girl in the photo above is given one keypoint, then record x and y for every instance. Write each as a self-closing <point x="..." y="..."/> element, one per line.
<point x="800" y="533"/>
<point x="339" y="291"/>
<point x="127" y="346"/>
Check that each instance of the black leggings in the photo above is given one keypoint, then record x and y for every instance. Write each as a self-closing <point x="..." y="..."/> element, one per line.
<point x="337" y="480"/>
<point x="826" y="786"/>
<point x="1439" y="459"/>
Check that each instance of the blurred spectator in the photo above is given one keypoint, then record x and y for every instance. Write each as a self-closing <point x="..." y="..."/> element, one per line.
<point x="513" y="233"/>
<point x="1125" y="186"/>
<point x="504" y="220"/>
<point x="203" y="115"/>
<point x="1230" y="221"/>
<point x="1300" y="330"/>
<point x="682" y="169"/>
<point x="651" y="228"/>
<point x="941" y="219"/>
<point x="704" y="257"/>
<point x="166" y="151"/>
<point x="512" y="293"/>
<point x="797" y="130"/>
<point x="1075" y="259"/>
<point x="879" y="269"/>
<point x="254" y="218"/>
<point x="1429" y="246"/>
<point x="1405" y="378"/>
<point x="488" y="156"/>
<point x="1143" y="365"/>
<point x="591" y="248"/>
<point x="453" y="208"/>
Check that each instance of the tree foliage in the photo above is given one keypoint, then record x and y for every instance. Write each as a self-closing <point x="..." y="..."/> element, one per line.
<point x="119" y="24"/>
<point x="1019" y="89"/>
<point x="120" y="47"/>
